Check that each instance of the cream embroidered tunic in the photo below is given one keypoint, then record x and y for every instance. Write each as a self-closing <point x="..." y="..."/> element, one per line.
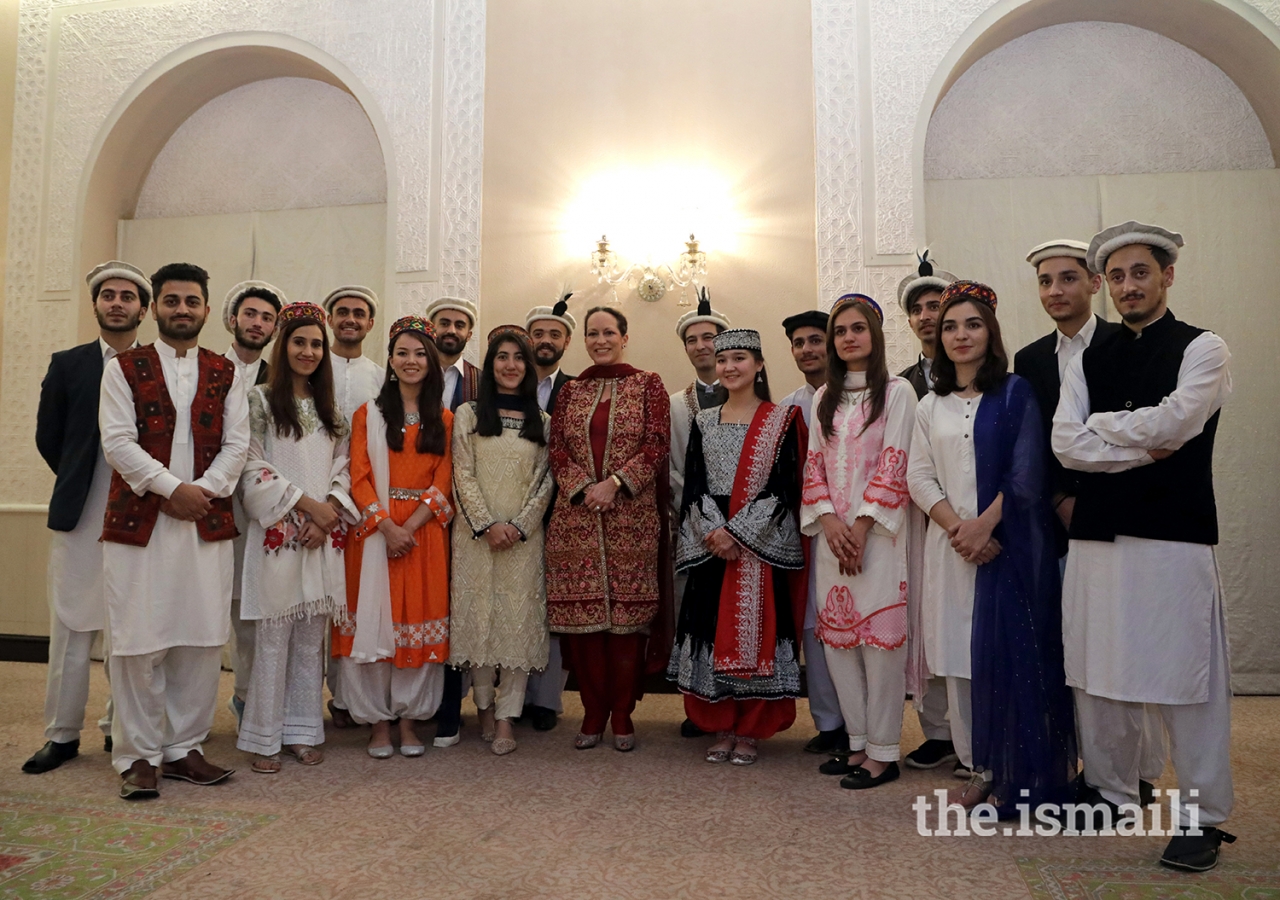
<point x="861" y="473"/>
<point x="498" y="599"/>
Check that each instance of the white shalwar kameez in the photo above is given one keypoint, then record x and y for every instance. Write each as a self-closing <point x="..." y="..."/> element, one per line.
<point x="943" y="467"/>
<point x="77" y="612"/>
<point x="1166" y="642"/>
<point x="243" y="630"/>
<point x="289" y="590"/>
<point x="168" y="603"/>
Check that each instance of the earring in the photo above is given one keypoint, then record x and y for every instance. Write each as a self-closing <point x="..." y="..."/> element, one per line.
<point x="760" y="376"/>
<point x="393" y="377"/>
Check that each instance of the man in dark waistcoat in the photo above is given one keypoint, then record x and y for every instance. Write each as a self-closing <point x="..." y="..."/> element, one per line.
<point x="1142" y="611"/>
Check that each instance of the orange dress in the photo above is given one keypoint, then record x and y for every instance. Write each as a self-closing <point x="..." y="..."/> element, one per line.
<point x="420" y="579"/>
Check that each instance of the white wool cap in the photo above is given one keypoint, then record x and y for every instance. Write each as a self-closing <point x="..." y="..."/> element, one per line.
<point x="237" y="293"/>
<point x="915" y="283"/>
<point x="116" y="269"/>
<point x="1109" y="240"/>
<point x="548" y="312"/>
<point x="454" y="303"/>
<point x="358" y="291"/>
<point x="699" y="315"/>
<point x="1063" y="247"/>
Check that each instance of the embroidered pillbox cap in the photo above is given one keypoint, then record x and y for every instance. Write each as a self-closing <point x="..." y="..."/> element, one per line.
<point x="737" y="339"/>
<point x="850" y="299"/>
<point x="1109" y="240"/>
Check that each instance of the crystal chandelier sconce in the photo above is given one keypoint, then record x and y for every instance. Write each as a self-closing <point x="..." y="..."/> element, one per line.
<point x="651" y="282"/>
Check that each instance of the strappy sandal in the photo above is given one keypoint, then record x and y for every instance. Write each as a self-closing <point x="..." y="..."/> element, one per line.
<point x="304" y="753"/>
<point x="739" y="758"/>
<point x="975" y="790"/>
<point x="719" y="756"/>
<point x="586" y="741"/>
<point x="266" y="765"/>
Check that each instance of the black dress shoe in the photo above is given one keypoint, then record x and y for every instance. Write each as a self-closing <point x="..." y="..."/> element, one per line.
<point x="543" y="719"/>
<point x="931" y="754"/>
<point x="689" y="730"/>
<point x="50" y="756"/>
<point x="1146" y="792"/>
<point x="859" y="779"/>
<point x="836" y="765"/>
<point x="832" y="743"/>
<point x="106" y="744"/>
<point x="1196" y="854"/>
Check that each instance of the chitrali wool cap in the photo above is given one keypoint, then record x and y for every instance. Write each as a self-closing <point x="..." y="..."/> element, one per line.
<point x="703" y="313"/>
<point x="116" y="269"/>
<point x="231" y="305"/>
<point x="352" y="290"/>
<point x="925" y="277"/>
<point x="454" y="303"/>
<point x="559" y="312"/>
<point x="1054" y="249"/>
<point x="1109" y="240"/>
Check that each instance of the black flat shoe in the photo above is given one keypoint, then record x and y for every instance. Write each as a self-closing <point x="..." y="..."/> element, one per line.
<point x="543" y="719"/>
<point x="832" y="743"/>
<point x="1146" y="792"/>
<point x="1196" y="854"/>
<point x="836" y="765"/>
<point x="50" y="756"/>
<point x="931" y="754"/>
<point x="689" y="730"/>
<point x="106" y="744"/>
<point x="859" y="779"/>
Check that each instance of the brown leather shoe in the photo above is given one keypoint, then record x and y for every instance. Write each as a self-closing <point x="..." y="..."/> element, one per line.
<point x="195" y="769"/>
<point x="139" y="782"/>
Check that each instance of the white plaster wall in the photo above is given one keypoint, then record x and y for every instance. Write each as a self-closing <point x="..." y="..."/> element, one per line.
<point x="1093" y="98"/>
<point x="282" y="143"/>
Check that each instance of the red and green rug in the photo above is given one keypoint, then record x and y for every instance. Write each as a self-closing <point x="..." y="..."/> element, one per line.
<point x="52" y="848"/>
<point x="1078" y="879"/>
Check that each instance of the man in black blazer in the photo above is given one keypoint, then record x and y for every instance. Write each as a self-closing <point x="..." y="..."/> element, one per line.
<point x="920" y="296"/>
<point x="1067" y="288"/>
<point x="550" y="332"/>
<point x="67" y="437"/>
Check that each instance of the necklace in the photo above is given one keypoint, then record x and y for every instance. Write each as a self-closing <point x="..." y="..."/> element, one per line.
<point x="410" y="419"/>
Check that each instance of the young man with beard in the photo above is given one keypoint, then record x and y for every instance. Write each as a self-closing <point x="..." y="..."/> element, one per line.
<point x="453" y="319"/>
<point x="1143" y="621"/>
<point x="356" y="380"/>
<point x="920" y="296"/>
<point x="249" y="313"/>
<point x="807" y="334"/>
<point x="175" y="428"/>
<point x="550" y="331"/>
<point x="68" y="439"/>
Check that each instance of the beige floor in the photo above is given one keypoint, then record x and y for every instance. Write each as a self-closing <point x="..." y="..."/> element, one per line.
<point x="551" y="822"/>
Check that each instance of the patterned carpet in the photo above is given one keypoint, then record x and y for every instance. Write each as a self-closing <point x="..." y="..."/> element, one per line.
<point x="87" y="849"/>
<point x="551" y="822"/>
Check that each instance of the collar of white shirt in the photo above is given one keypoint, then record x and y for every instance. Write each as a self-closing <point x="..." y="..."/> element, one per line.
<point x="108" y="351"/>
<point x="550" y="379"/>
<point x="1085" y="335"/>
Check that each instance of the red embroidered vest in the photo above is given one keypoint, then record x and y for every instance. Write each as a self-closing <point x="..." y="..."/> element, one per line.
<point x="130" y="519"/>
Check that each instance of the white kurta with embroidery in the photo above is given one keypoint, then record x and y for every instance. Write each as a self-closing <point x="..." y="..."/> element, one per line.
<point x="1155" y="646"/>
<point x="176" y="591"/>
<point x="355" y="382"/>
<point x="943" y="467"/>
<point x="861" y="473"/>
<point x="283" y="579"/>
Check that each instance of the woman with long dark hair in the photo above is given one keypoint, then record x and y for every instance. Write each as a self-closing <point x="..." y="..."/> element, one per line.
<point x="992" y="603"/>
<point x="502" y="485"/>
<point x="610" y="438"/>
<point x="736" y="656"/>
<point x="855" y="506"/>
<point x="296" y="492"/>
<point x="394" y="641"/>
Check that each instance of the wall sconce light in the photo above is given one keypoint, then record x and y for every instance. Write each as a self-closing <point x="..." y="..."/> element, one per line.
<point x="651" y="282"/>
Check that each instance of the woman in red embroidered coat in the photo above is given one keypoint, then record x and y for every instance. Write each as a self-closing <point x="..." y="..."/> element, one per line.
<point x="394" y="642"/>
<point x="855" y="506"/>
<point x="736" y="656"/>
<point x="610" y="437"/>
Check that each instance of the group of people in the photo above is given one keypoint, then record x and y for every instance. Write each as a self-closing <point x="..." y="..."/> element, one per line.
<point x="1007" y="549"/>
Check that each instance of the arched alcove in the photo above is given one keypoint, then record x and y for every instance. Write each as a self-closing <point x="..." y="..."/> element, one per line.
<point x="166" y="96"/>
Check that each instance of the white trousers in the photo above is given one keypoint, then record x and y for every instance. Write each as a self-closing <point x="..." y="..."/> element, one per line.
<point x="824" y="703"/>
<point x="286" y="697"/>
<point x="379" y="692"/>
<point x="164" y="704"/>
<point x="546" y="688"/>
<point x="870" y="684"/>
<point x="67" y="688"/>
<point x="933" y="711"/>
<point x="509" y="690"/>
<point x="1112" y="742"/>
<point x="242" y="649"/>
<point x="960" y="718"/>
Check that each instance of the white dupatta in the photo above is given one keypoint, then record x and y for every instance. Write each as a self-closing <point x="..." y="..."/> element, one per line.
<point x="375" y="638"/>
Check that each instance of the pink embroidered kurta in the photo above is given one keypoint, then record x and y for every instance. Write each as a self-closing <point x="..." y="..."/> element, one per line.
<point x="861" y="473"/>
